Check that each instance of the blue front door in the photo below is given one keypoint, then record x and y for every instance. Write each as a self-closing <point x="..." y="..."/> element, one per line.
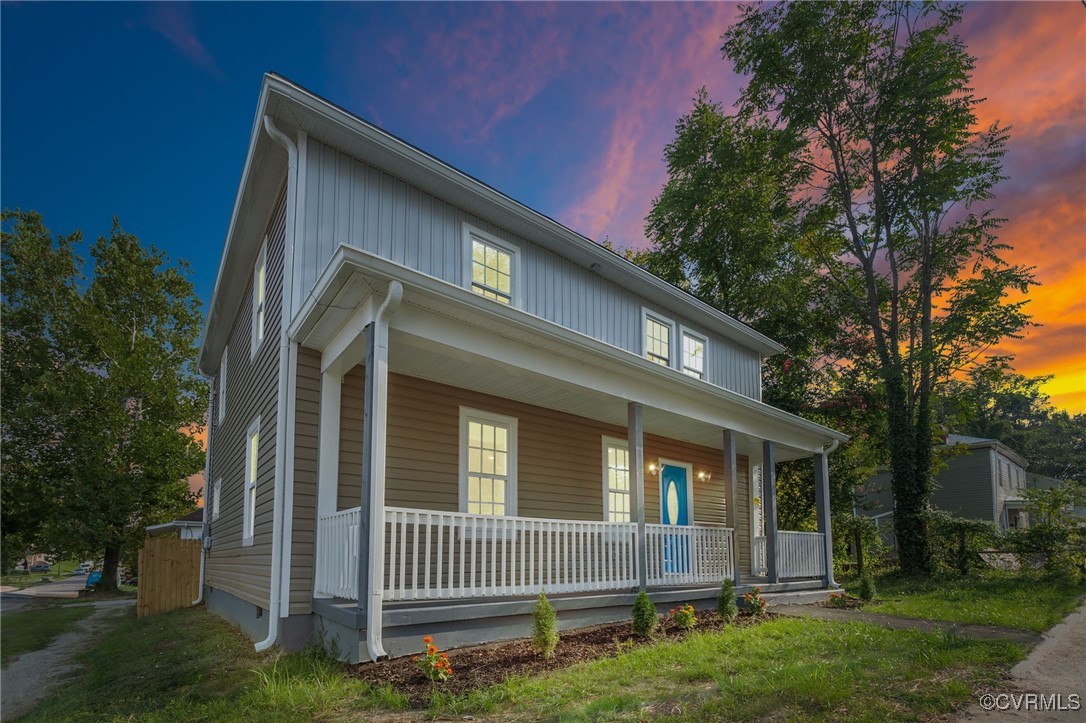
<point x="675" y="510"/>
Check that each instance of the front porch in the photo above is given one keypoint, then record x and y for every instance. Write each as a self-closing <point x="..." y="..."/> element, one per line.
<point x="434" y="555"/>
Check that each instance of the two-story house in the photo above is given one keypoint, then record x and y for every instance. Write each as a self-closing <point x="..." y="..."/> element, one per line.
<point x="980" y="478"/>
<point x="431" y="402"/>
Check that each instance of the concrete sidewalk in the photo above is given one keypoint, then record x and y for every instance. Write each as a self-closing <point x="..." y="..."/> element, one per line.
<point x="69" y="587"/>
<point x="1056" y="667"/>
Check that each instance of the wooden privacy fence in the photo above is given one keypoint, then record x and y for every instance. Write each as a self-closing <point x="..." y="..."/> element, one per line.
<point x="169" y="575"/>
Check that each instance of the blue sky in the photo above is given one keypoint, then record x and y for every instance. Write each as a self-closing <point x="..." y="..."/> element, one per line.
<point x="143" y="111"/>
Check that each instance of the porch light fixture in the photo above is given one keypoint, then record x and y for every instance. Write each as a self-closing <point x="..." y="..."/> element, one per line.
<point x="654" y="467"/>
<point x="704" y="476"/>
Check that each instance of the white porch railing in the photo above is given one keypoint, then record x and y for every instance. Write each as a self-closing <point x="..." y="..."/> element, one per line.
<point x="758" y="565"/>
<point x="436" y="555"/>
<point x="336" y="573"/>
<point x="801" y="554"/>
<point x="688" y="555"/>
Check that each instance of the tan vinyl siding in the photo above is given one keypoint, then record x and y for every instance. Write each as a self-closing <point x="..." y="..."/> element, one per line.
<point x="559" y="473"/>
<point x="306" y="417"/>
<point x="251" y="390"/>
<point x="743" y="504"/>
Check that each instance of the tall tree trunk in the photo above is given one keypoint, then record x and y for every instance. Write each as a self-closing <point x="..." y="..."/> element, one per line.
<point x="110" y="562"/>
<point x="909" y="505"/>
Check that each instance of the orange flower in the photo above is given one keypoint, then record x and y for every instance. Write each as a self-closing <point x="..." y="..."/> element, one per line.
<point x="428" y="639"/>
<point x="431" y="650"/>
<point x="415" y="659"/>
<point x="444" y="656"/>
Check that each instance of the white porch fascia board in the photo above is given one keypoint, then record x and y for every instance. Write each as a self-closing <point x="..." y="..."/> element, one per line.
<point x="561" y="353"/>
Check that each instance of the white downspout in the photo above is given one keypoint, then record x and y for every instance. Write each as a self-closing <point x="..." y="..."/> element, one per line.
<point x="830" y="582"/>
<point x="377" y="452"/>
<point x="281" y="407"/>
<point x="207" y="482"/>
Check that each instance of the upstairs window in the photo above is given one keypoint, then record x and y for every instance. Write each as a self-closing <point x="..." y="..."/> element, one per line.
<point x="260" y="273"/>
<point x="488" y="463"/>
<point x="693" y="355"/>
<point x="658" y="333"/>
<point x="491" y="266"/>
<point x="616" y="480"/>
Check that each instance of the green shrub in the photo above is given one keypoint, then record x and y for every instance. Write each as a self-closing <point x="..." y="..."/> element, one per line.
<point x="683" y="617"/>
<point x="957" y="542"/>
<point x="866" y="588"/>
<point x="645" y="618"/>
<point x="726" y="604"/>
<point x="544" y="627"/>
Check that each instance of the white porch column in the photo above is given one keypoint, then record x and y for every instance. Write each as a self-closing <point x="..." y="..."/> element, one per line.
<point x="822" y="510"/>
<point x="328" y="451"/>
<point x="769" y="504"/>
<point x="731" y="474"/>
<point x="635" y="431"/>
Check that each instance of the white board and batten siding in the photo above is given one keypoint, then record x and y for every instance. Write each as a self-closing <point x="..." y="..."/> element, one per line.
<point x="349" y="201"/>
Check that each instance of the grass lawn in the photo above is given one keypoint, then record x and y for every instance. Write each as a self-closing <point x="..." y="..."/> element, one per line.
<point x="189" y="665"/>
<point x="989" y="598"/>
<point x="23" y="632"/>
<point x="60" y="571"/>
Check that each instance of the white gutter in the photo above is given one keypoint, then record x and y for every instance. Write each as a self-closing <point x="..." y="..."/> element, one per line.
<point x="377" y="469"/>
<point x="207" y="481"/>
<point x="282" y="412"/>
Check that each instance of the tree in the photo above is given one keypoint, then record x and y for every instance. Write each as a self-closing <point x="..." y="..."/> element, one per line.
<point x="122" y="395"/>
<point x="877" y="99"/>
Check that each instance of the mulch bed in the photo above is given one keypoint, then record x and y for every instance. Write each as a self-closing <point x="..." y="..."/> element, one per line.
<point x="848" y="603"/>
<point x="485" y="665"/>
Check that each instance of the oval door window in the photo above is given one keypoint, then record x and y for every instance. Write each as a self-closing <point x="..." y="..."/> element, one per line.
<point x="672" y="503"/>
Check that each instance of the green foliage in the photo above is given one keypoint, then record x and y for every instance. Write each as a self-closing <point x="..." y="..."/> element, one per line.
<point x="858" y="533"/>
<point x="726" y="603"/>
<point x="645" y="617"/>
<point x="755" y="602"/>
<point x="1054" y="539"/>
<point x="875" y="101"/>
<point x="544" y="627"/>
<point x="683" y="617"/>
<point x="866" y="589"/>
<point x="104" y="394"/>
<point x="958" y="541"/>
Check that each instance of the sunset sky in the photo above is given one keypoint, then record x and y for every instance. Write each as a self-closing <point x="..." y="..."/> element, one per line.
<point x="144" y="112"/>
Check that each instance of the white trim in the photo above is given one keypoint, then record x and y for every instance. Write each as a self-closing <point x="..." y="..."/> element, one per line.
<point x="689" y="487"/>
<point x="516" y="277"/>
<point x="510" y="423"/>
<point x="685" y="331"/>
<point x="222" y="383"/>
<point x="216" y="496"/>
<point x="258" y="327"/>
<point x="659" y="319"/>
<point x="248" y="512"/>
<point x="624" y="444"/>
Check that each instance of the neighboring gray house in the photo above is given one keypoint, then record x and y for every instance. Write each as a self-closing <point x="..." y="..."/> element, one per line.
<point x="982" y="479"/>
<point x="431" y="402"/>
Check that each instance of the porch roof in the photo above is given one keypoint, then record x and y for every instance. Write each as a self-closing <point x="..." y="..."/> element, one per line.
<point x="448" y="334"/>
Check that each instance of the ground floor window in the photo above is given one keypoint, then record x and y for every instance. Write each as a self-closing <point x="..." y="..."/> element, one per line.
<point x="488" y="463"/>
<point x="616" y="480"/>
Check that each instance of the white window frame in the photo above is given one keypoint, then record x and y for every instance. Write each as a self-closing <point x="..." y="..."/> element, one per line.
<point x="684" y="332"/>
<point x="222" y="383"/>
<point x="216" y="497"/>
<point x="647" y="314"/>
<point x="259" y="329"/>
<point x="467" y="414"/>
<point x="615" y="442"/>
<point x="516" y="279"/>
<point x="250" y="484"/>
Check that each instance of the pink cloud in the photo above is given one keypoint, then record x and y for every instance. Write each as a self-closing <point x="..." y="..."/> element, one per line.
<point x="174" y="22"/>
